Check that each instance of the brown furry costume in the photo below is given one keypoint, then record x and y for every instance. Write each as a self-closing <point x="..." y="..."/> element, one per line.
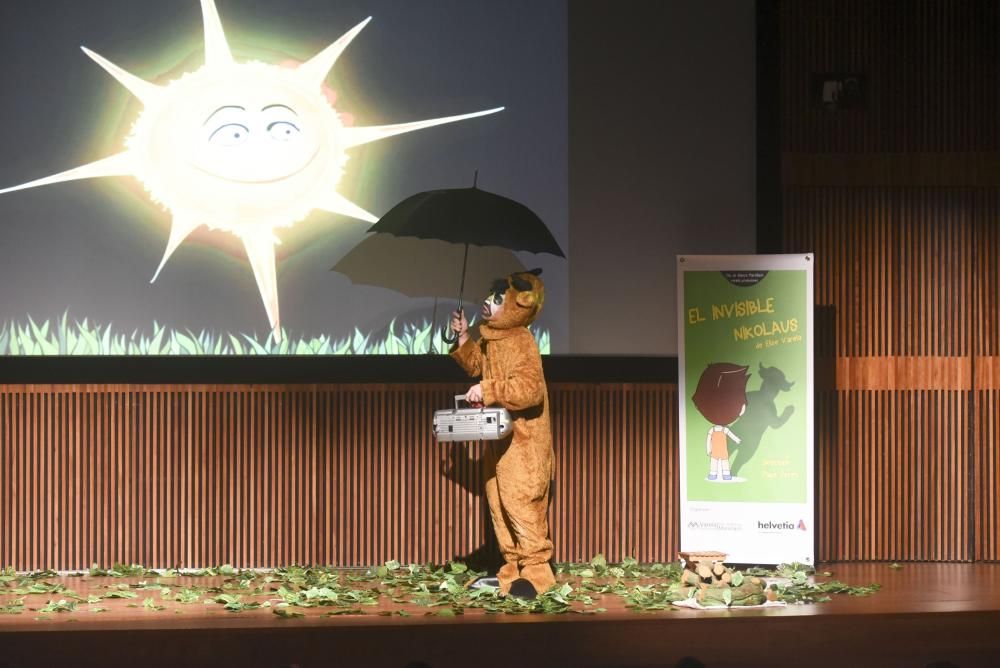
<point x="519" y="468"/>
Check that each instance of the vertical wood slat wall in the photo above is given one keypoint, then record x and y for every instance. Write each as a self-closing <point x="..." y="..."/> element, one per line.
<point x="345" y="475"/>
<point x="986" y="352"/>
<point x="900" y="201"/>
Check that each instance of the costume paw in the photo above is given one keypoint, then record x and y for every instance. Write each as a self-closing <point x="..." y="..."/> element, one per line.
<point x="540" y="576"/>
<point x="506" y="576"/>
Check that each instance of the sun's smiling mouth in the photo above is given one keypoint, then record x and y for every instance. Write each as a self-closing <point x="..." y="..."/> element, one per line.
<point x="260" y="154"/>
<point x="250" y="178"/>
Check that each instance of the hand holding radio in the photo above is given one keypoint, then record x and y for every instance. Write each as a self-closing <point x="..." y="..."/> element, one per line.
<point x="475" y="395"/>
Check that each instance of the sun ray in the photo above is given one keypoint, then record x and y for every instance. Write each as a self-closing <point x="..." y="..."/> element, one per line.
<point x="243" y="148"/>
<point x="337" y="203"/>
<point x="145" y="91"/>
<point x="356" y="136"/>
<point x="260" y="252"/>
<point x="313" y="72"/>
<point x="119" y="164"/>
<point x="180" y="228"/>
<point x="217" y="51"/>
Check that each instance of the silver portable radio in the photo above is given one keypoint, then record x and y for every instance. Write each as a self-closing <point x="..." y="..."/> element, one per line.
<point x="471" y="424"/>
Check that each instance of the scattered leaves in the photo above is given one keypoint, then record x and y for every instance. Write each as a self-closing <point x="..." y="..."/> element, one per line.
<point x="150" y="604"/>
<point x="188" y="595"/>
<point x="15" y="607"/>
<point x="121" y="593"/>
<point x="444" y="591"/>
<point x="287" y="613"/>
<point x="62" y="605"/>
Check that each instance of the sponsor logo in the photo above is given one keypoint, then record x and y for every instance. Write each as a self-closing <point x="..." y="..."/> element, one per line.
<point x="771" y="525"/>
<point x="715" y="526"/>
<point x="776" y="526"/>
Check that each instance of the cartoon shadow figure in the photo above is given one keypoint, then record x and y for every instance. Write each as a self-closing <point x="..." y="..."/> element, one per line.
<point x="761" y="414"/>
<point x="721" y="398"/>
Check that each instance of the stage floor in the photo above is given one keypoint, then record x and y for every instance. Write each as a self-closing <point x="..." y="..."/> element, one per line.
<point x="924" y="613"/>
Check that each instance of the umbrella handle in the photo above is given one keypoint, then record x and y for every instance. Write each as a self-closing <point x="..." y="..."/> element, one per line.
<point x="447" y="334"/>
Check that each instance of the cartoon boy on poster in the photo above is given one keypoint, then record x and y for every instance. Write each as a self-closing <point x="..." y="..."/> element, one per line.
<point x="721" y="397"/>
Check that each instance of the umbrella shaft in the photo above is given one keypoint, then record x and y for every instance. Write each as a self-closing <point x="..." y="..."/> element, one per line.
<point x="449" y="336"/>
<point x="461" y="286"/>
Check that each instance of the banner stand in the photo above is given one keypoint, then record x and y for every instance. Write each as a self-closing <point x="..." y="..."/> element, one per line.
<point x="745" y="358"/>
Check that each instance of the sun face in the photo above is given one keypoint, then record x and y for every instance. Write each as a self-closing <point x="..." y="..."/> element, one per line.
<point x="246" y="148"/>
<point x="241" y="148"/>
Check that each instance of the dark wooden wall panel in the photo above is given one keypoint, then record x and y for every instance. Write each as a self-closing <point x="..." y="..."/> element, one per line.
<point x="986" y="467"/>
<point x="900" y="201"/>
<point x="346" y="475"/>
<point x="986" y="351"/>
<point x="893" y="475"/>
<point x="895" y="264"/>
<point x="617" y="484"/>
<point x="931" y="69"/>
<point x="896" y="291"/>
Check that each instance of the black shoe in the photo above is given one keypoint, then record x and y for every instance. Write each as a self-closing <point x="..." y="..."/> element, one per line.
<point x="521" y="588"/>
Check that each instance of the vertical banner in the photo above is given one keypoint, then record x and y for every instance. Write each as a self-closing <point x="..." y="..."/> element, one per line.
<point x="746" y="406"/>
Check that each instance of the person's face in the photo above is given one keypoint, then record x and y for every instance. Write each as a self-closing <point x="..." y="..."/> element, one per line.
<point x="492" y="306"/>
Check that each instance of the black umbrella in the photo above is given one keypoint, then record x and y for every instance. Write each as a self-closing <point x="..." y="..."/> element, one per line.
<point x="469" y="216"/>
<point x="421" y="267"/>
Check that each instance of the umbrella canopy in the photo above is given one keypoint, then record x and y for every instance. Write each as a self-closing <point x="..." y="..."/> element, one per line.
<point x="423" y="267"/>
<point x="469" y="216"/>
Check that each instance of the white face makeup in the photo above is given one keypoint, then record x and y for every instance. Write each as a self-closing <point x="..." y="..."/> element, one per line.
<point x="492" y="307"/>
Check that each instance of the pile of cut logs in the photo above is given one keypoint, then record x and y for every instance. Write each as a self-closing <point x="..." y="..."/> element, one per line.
<point x="708" y="580"/>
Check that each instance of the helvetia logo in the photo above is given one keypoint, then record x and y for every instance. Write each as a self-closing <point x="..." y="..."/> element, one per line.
<point x="776" y="526"/>
<point x="802" y="525"/>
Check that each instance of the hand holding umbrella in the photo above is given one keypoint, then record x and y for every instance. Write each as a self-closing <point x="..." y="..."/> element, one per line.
<point x="459" y="326"/>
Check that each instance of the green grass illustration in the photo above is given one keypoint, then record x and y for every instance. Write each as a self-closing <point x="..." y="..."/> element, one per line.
<point x="62" y="337"/>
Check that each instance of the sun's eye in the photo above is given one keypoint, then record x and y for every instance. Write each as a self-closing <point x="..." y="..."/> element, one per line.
<point x="229" y="134"/>
<point x="498" y="299"/>
<point x="283" y="130"/>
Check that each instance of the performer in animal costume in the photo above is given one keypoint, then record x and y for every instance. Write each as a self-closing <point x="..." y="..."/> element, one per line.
<point x="519" y="468"/>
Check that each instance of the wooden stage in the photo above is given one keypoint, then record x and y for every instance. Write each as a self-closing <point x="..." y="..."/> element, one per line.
<point x="925" y="613"/>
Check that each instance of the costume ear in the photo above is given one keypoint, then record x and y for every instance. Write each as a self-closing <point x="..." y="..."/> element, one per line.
<point x="526" y="299"/>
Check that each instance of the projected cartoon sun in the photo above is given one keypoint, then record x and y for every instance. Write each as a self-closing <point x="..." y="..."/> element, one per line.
<point x="246" y="148"/>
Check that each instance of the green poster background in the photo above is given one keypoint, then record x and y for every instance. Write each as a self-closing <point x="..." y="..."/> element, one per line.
<point x="776" y="469"/>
